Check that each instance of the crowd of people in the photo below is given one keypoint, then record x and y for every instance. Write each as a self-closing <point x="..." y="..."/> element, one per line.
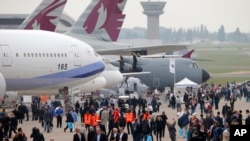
<point x="198" y="118"/>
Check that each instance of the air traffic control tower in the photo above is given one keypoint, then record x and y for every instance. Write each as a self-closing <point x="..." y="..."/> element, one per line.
<point x="153" y="9"/>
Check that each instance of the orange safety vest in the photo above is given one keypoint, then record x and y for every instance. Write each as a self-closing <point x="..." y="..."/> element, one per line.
<point x="87" y="119"/>
<point x="129" y="117"/>
<point x="94" y="120"/>
<point x="145" y="116"/>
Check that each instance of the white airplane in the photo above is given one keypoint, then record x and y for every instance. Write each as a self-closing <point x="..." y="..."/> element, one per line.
<point x="41" y="62"/>
<point x="46" y="17"/>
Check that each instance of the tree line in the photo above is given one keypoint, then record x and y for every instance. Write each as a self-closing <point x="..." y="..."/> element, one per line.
<point x="200" y="34"/>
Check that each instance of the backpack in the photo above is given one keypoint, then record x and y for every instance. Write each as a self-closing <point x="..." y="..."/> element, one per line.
<point x="144" y="127"/>
<point x="134" y="127"/>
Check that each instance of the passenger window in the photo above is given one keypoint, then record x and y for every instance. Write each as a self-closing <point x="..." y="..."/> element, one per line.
<point x="51" y="55"/>
<point x="58" y="54"/>
<point x="16" y="54"/>
<point x="55" y="55"/>
<point x="28" y="54"/>
<point x="61" y="54"/>
<point x="32" y="54"/>
<point x="24" y="54"/>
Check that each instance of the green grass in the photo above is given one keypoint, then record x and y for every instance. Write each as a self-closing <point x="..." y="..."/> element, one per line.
<point x="225" y="58"/>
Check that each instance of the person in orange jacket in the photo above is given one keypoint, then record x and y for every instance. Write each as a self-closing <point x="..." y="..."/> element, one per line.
<point x="129" y="119"/>
<point x="87" y="120"/>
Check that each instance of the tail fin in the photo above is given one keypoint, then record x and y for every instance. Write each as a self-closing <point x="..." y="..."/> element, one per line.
<point x="45" y="16"/>
<point x="102" y="19"/>
<point x="188" y="54"/>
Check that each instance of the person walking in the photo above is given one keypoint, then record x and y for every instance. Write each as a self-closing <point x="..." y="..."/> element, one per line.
<point x="172" y="130"/>
<point x="69" y="121"/>
<point x="47" y="120"/>
<point x="37" y="135"/>
<point x="13" y="124"/>
<point x="59" y="112"/>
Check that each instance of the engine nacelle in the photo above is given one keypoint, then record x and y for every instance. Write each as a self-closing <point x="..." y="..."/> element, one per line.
<point x="2" y="86"/>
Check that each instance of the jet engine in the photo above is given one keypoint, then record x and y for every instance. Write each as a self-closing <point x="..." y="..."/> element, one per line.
<point x="2" y="86"/>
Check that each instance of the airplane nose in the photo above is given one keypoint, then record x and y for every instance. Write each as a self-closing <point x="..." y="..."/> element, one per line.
<point x="118" y="77"/>
<point x="205" y="75"/>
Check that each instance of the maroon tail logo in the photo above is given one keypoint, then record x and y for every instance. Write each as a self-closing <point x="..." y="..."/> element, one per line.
<point x="105" y="15"/>
<point x="43" y="20"/>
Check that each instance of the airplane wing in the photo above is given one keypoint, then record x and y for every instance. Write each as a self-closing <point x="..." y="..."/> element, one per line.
<point x="149" y="49"/>
<point x="135" y="73"/>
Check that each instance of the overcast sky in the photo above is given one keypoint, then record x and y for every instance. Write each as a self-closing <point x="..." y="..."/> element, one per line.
<point x="178" y="13"/>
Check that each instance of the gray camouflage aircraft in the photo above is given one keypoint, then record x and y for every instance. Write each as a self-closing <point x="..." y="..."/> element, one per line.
<point x="160" y="75"/>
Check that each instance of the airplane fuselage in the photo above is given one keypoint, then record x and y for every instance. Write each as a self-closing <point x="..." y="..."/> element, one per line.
<point x="161" y="77"/>
<point x="45" y="60"/>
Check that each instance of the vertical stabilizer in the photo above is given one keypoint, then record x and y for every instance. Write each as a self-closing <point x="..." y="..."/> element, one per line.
<point x="188" y="54"/>
<point x="102" y="19"/>
<point x="45" y="16"/>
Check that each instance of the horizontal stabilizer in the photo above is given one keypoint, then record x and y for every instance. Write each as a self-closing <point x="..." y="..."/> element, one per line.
<point x="135" y="73"/>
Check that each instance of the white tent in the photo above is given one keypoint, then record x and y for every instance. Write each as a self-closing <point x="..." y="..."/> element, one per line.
<point x="186" y="83"/>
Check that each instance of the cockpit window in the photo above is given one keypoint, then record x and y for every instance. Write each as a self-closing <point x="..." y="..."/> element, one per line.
<point x="194" y="65"/>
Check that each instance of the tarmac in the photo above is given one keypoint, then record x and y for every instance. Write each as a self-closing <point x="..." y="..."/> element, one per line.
<point x="59" y="135"/>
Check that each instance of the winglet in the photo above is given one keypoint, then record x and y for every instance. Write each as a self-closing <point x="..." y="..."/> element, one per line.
<point x="188" y="54"/>
<point x="45" y="16"/>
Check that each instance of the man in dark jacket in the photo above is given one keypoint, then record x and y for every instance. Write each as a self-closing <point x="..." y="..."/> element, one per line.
<point x="99" y="135"/>
<point x="47" y="120"/>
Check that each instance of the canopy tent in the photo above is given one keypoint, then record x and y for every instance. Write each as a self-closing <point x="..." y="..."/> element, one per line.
<point x="186" y="83"/>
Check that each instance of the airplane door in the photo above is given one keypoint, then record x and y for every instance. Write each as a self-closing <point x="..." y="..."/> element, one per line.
<point x="156" y="82"/>
<point x="6" y="55"/>
<point x="76" y="52"/>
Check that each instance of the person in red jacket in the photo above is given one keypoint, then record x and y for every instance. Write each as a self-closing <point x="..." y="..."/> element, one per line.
<point x="116" y="115"/>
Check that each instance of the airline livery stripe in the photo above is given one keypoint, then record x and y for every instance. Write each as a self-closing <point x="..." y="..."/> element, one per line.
<point x="80" y="72"/>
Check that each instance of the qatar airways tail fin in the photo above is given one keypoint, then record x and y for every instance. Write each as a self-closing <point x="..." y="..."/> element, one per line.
<point x="188" y="54"/>
<point x="45" y="16"/>
<point x="102" y="19"/>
